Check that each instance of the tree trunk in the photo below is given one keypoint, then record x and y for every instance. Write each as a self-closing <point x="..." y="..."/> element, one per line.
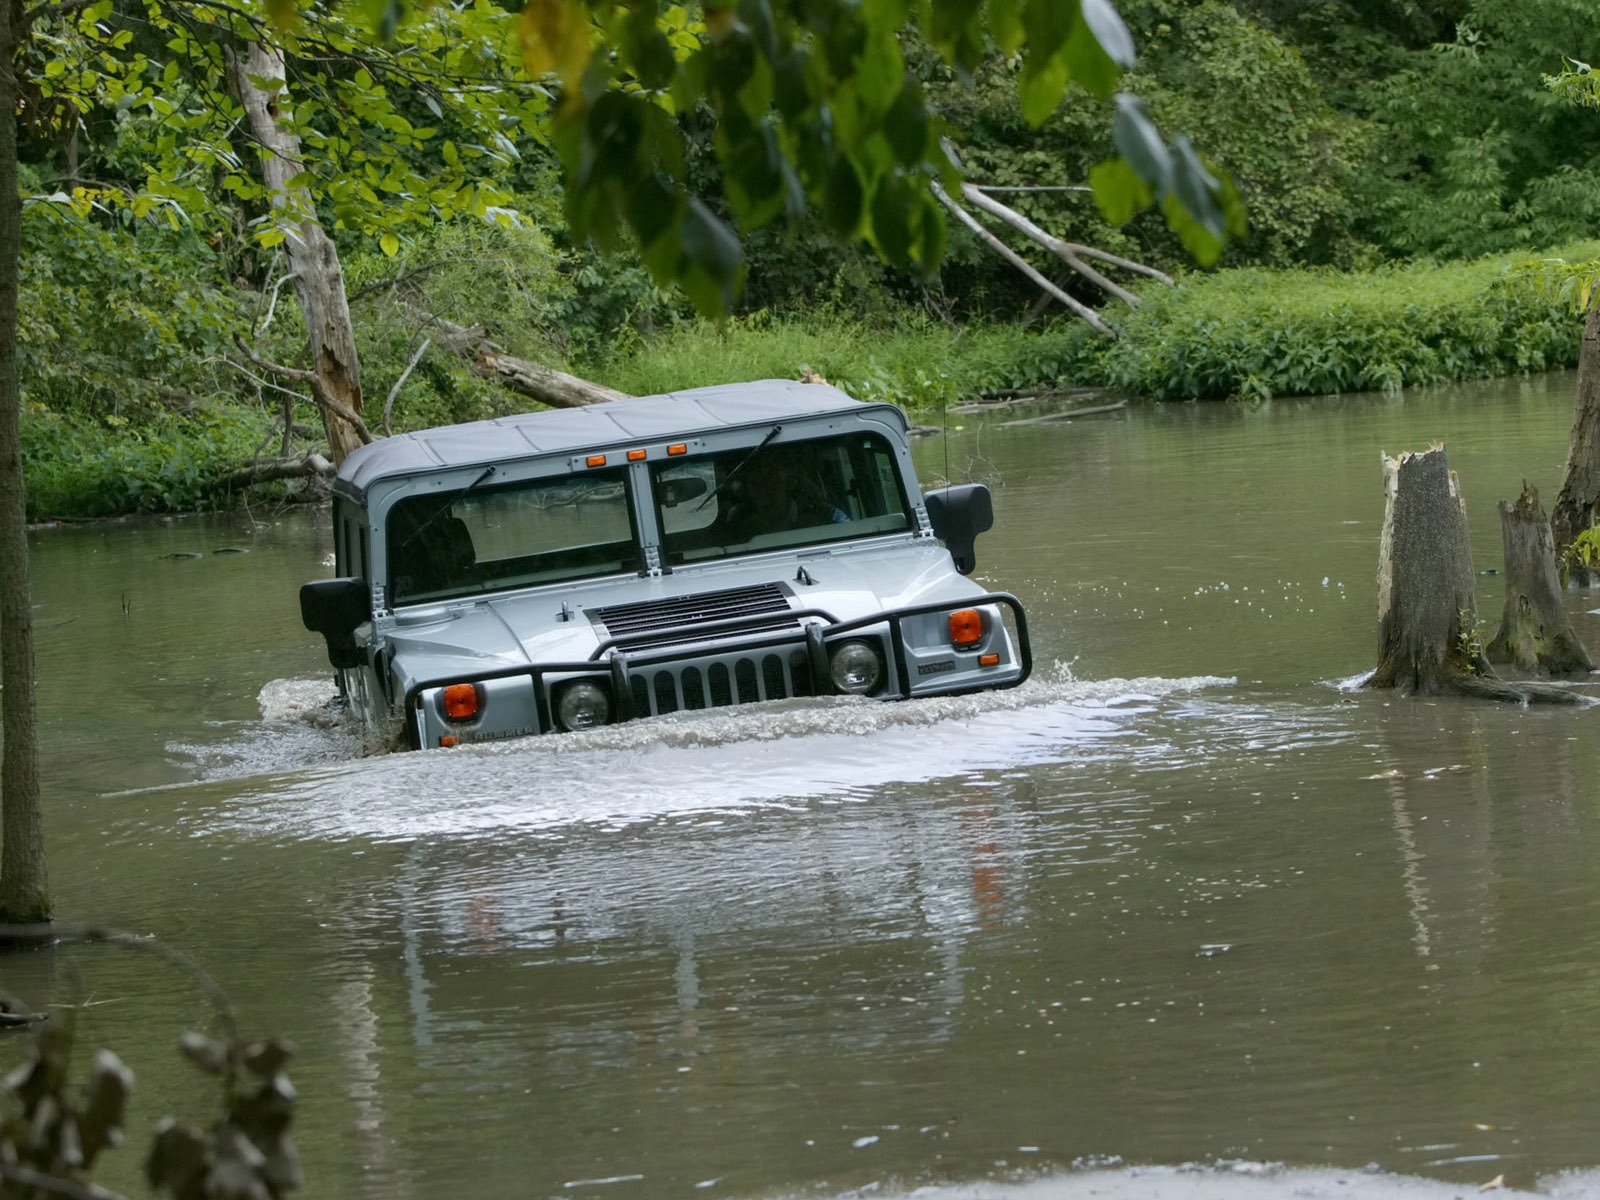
<point x="1580" y="490"/>
<point x="1535" y="635"/>
<point x="24" y="892"/>
<point x="313" y="258"/>
<point x="1427" y="599"/>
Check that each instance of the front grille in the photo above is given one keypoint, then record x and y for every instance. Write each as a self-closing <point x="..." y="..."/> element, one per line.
<point x="673" y="622"/>
<point x="744" y="679"/>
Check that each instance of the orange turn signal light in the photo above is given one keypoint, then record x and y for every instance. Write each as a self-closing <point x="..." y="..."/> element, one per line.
<point x="988" y="660"/>
<point x="966" y="628"/>
<point x="449" y="739"/>
<point x="461" y="701"/>
<point x="678" y="448"/>
<point x="595" y="460"/>
<point x="636" y="455"/>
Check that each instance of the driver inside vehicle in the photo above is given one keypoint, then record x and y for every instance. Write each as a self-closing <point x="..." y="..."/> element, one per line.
<point x="781" y="489"/>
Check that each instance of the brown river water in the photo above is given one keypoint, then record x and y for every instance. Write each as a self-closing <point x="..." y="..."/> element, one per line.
<point x="1187" y="915"/>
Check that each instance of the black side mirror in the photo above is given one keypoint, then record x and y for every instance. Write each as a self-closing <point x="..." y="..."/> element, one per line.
<point x="958" y="515"/>
<point x="333" y="608"/>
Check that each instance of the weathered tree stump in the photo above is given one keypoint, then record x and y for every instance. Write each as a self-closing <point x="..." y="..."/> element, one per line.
<point x="1535" y="634"/>
<point x="1427" y="596"/>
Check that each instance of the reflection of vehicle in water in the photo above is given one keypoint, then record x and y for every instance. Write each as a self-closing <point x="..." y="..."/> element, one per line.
<point x="559" y="570"/>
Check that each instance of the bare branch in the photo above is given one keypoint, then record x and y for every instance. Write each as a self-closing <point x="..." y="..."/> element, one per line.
<point x="1011" y="256"/>
<point x="1072" y="253"/>
<point x="272" y="303"/>
<point x="319" y="391"/>
<point x="1061" y="249"/>
<point x="388" y="404"/>
<point x="1041" y="187"/>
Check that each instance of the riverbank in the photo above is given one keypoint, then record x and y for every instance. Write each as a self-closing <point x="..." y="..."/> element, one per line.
<point x="1247" y="333"/>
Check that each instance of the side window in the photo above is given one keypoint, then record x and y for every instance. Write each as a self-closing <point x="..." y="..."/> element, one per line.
<point x="350" y="555"/>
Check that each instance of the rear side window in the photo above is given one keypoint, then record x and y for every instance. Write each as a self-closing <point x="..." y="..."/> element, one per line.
<point x="543" y="531"/>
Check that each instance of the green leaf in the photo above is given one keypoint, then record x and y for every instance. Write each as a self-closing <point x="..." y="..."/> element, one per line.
<point x="709" y="242"/>
<point x="842" y="198"/>
<point x="1118" y="190"/>
<point x="389" y="244"/>
<point x="1140" y="143"/>
<point x="1105" y="23"/>
<point x="554" y="35"/>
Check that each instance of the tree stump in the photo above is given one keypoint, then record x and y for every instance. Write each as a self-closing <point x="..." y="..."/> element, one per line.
<point x="1535" y="635"/>
<point x="1427" y="595"/>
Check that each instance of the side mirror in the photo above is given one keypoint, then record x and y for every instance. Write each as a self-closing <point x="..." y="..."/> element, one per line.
<point x="958" y="515"/>
<point x="333" y="608"/>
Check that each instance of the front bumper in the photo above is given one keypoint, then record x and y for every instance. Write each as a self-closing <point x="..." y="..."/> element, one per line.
<point x="739" y="661"/>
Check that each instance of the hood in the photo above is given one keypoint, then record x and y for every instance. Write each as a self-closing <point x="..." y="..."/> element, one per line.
<point x="568" y="623"/>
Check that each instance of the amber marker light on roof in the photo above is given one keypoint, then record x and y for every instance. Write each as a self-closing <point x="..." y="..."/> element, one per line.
<point x="461" y="701"/>
<point x="678" y="448"/>
<point x="635" y="455"/>
<point x="966" y="628"/>
<point x="595" y="460"/>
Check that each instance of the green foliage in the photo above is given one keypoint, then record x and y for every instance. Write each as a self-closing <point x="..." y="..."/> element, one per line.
<point x="397" y="134"/>
<point x="81" y="468"/>
<point x="1581" y="556"/>
<point x="813" y="105"/>
<point x="1474" y="156"/>
<point x="1250" y="100"/>
<point x="113" y="323"/>
<point x="1259" y="333"/>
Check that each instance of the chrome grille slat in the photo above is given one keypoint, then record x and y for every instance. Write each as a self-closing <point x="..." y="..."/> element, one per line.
<point x="775" y="674"/>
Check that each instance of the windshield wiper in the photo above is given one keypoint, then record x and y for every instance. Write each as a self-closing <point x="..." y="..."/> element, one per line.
<point x="739" y="466"/>
<point x="448" y="504"/>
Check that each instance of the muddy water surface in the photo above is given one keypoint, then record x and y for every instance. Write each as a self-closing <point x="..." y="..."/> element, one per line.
<point x="1184" y="904"/>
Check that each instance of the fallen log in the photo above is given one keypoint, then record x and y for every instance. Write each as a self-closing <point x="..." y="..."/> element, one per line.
<point x="312" y="466"/>
<point x="1535" y="634"/>
<point x="1427" y="598"/>
<point x="533" y="380"/>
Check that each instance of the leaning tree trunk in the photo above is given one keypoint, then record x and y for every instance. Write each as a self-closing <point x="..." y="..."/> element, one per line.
<point x="24" y="895"/>
<point x="1535" y="634"/>
<point x="1580" y="491"/>
<point x="313" y="258"/>
<point x="1427" y="599"/>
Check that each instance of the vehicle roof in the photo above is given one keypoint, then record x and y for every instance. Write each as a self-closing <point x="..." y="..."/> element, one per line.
<point x="568" y="430"/>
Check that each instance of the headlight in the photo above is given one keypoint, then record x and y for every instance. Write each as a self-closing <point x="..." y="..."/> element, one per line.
<point x="856" y="667"/>
<point x="582" y="705"/>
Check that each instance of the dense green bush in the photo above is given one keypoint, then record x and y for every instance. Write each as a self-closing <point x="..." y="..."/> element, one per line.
<point x="1262" y="333"/>
<point x="120" y="320"/>
<point x="79" y="467"/>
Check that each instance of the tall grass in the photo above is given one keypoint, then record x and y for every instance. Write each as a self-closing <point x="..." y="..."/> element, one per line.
<point x="917" y="363"/>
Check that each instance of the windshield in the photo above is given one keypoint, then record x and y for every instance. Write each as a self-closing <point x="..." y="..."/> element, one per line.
<point x="778" y="496"/>
<point x="484" y="540"/>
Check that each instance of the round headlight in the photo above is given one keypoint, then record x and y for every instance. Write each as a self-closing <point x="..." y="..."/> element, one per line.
<point x="856" y="667"/>
<point x="582" y="705"/>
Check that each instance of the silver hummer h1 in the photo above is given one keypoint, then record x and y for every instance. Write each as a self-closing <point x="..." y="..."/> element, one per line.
<point x="564" y="569"/>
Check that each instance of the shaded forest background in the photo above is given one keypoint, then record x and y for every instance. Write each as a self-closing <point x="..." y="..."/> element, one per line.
<point x="1407" y="176"/>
